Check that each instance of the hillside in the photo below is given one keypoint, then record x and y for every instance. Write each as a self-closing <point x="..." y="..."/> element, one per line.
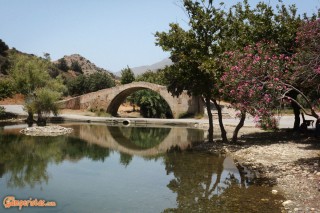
<point x="87" y="66"/>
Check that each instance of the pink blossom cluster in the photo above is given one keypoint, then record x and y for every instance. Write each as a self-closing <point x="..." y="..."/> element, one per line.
<point x="251" y="81"/>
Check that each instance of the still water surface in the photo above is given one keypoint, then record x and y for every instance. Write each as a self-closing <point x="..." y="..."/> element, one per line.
<point x="101" y="168"/>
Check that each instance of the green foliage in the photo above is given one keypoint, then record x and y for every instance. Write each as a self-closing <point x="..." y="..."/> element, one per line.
<point x="6" y="87"/>
<point x="151" y="104"/>
<point x="146" y="137"/>
<point x="98" y="81"/>
<point x="4" y="62"/>
<point x="31" y="78"/>
<point x="127" y="76"/>
<point x="247" y="26"/>
<point x="62" y="65"/>
<point x="3" y="48"/>
<point x="84" y="84"/>
<point x="76" y="67"/>
<point x="30" y="73"/>
<point x="2" y="111"/>
<point x="152" y="77"/>
<point x="42" y="102"/>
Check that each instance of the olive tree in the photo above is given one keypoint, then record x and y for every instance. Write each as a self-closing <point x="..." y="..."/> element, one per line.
<point x="31" y="78"/>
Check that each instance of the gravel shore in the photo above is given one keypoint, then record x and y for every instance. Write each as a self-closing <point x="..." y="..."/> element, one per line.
<point x="288" y="161"/>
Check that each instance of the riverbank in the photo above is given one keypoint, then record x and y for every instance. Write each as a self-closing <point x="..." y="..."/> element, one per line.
<point x="287" y="161"/>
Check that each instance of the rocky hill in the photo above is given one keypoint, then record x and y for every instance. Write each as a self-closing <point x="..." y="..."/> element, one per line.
<point x="87" y="66"/>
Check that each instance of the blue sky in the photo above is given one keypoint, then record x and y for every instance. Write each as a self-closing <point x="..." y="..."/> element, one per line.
<point x="110" y="33"/>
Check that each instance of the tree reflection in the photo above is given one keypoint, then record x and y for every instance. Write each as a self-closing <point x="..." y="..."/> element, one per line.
<point x="195" y="186"/>
<point x="25" y="159"/>
<point x="143" y="137"/>
<point x="125" y="159"/>
<point x="212" y="188"/>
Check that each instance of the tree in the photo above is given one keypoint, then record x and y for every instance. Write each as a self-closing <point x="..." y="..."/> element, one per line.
<point x="6" y="87"/>
<point x="31" y="78"/>
<point x="151" y="104"/>
<point x="306" y="78"/>
<point x="252" y="81"/>
<point x="84" y="84"/>
<point x="3" y="47"/>
<point x="62" y="65"/>
<point x="75" y="66"/>
<point x="246" y="26"/>
<point x="307" y="66"/>
<point x="42" y="102"/>
<point x="4" y="63"/>
<point x="191" y="50"/>
<point x="258" y="79"/>
<point x="98" y="81"/>
<point x="127" y="76"/>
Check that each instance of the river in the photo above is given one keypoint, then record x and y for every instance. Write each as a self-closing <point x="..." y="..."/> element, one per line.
<point x="100" y="168"/>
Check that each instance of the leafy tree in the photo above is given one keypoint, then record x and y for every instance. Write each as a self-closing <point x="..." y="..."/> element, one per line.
<point x="306" y="77"/>
<point x="193" y="53"/>
<point x="31" y="78"/>
<point x="77" y="86"/>
<point x="47" y="56"/>
<point x="151" y="104"/>
<point x="75" y="66"/>
<point x="307" y="74"/>
<point x="62" y="65"/>
<point x="6" y="88"/>
<point x="4" y="63"/>
<point x="84" y="84"/>
<point x="42" y="102"/>
<point x="246" y="26"/>
<point x="252" y="81"/>
<point x="127" y="76"/>
<point x="98" y="81"/>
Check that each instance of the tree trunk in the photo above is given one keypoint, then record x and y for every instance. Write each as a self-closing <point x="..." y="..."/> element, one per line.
<point x="210" y="130"/>
<point x="223" y="131"/>
<point x="41" y="120"/>
<point x="296" y="111"/>
<point x="317" y="133"/>
<point x="238" y="127"/>
<point x="30" y="119"/>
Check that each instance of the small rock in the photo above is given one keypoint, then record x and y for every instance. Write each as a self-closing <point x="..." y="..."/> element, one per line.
<point x="274" y="192"/>
<point x="318" y="174"/>
<point x="296" y="209"/>
<point x="287" y="203"/>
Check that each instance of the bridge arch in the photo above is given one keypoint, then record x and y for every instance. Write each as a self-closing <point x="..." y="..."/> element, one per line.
<point x="124" y="92"/>
<point x="111" y="98"/>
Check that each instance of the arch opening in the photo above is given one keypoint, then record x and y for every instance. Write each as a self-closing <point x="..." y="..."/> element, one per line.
<point x="149" y="103"/>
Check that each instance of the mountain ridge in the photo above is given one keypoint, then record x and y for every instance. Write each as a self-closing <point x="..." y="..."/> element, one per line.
<point x="153" y="67"/>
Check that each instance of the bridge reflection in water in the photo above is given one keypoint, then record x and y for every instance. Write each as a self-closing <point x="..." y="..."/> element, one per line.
<point x="74" y="168"/>
<point x="141" y="141"/>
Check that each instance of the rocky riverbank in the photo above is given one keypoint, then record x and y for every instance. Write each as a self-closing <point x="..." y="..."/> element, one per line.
<point x="287" y="161"/>
<point x="46" y="130"/>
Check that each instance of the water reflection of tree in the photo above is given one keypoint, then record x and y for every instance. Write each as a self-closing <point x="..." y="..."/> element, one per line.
<point x="202" y="186"/>
<point x="125" y="159"/>
<point x="193" y="183"/>
<point x="145" y="137"/>
<point x="25" y="159"/>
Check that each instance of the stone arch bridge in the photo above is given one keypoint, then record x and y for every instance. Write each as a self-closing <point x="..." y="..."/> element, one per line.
<point x="110" y="99"/>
